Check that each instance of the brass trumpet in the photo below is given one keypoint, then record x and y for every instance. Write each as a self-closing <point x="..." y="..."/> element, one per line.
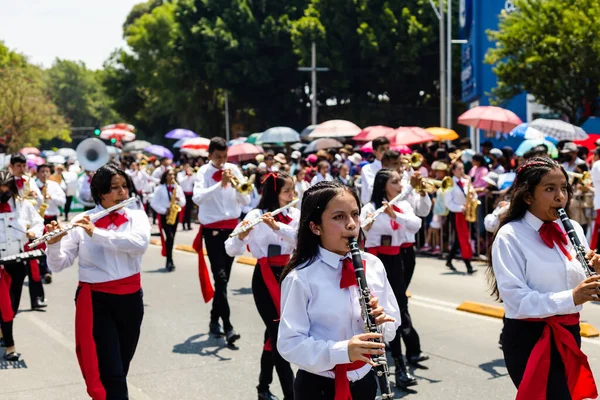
<point x="414" y="160"/>
<point x="429" y="185"/>
<point x="244" y="187"/>
<point x="585" y="178"/>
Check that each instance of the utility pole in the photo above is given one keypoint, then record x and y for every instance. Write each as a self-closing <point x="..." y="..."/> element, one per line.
<point x="449" y="68"/>
<point x="443" y="122"/>
<point x="313" y="69"/>
<point x="226" y="117"/>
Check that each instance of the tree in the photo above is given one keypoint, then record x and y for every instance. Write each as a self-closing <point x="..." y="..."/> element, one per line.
<point x="27" y="115"/>
<point x="549" y="48"/>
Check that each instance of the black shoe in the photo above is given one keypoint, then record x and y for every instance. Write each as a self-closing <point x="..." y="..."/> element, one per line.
<point x="4" y="345"/>
<point x="232" y="336"/>
<point x="170" y="266"/>
<point x="415" y="360"/>
<point x="471" y="271"/>
<point x="215" y="329"/>
<point x="12" y="356"/>
<point x="404" y="378"/>
<point x="449" y="265"/>
<point x="48" y="279"/>
<point x="39" y="303"/>
<point x="266" y="395"/>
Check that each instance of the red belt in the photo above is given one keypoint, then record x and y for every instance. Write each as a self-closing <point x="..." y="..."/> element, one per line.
<point x="5" y="301"/>
<point x="265" y="264"/>
<point x="385" y="250"/>
<point x="342" y="384"/>
<point x="580" y="379"/>
<point x="85" y="346"/>
<point x="207" y="290"/>
<point x="462" y="232"/>
<point x="407" y="245"/>
<point x="34" y="265"/>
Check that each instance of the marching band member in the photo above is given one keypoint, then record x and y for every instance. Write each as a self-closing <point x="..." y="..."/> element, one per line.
<point x="455" y="201"/>
<point x="385" y="238"/>
<point x="109" y="305"/>
<point x="84" y="193"/>
<point x="271" y="243"/>
<point x="27" y="189"/>
<point x="165" y="163"/>
<point x="543" y="286"/>
<point x="161" y="203"/>
<point x="55" y="196"/>
<point x="29" y="225"/>
<point x="186" y="179"/>
<point x="219" y="207"/>
<point x="321" y="328"/>
<point x="368" y="172"/>
<point x="301" y="185"/>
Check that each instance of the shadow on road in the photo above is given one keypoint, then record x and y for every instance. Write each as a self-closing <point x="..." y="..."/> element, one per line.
<point x="162" y="270"/>
<point x="209" y="346"/>
<point x="492" y="366"/>
<point x="241" y="291"/>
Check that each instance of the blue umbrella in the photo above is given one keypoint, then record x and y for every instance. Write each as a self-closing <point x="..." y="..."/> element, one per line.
<point x="159" y="151"/>
<point x="527" y="132"/>
<point x="181" y="134"/>
<point x="280" y="134"/>
<point x="592" y="125"/>
<point x="531" y="143"/>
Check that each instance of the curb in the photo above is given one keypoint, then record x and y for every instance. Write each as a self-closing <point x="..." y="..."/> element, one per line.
<point x="588" y="330"/>
<point x="247" y="260"/>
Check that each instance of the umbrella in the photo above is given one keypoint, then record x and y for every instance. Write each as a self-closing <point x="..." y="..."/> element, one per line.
<point x="529" y="144"/>
<point x="307" y="131"/>
<point x="409" y="135"/>
<point x="237" y="141"/>
<point x="442" y="133"/>
<point x="36" y="160"/>
<point x="403" y="149"/>
<point x="121" y="135"/>
<point x="120" y="125"/>
<point x="181" y="134"/>
<point x="196" y="144"/>
<point x="67" y="152"/>
<point x="335" y="128"/>
<point x="591" y="125"/>
<point x="254" y="138"/>
<point x="195" y="152"/>
<point x="590" y="142"/>
<point x="243" y="152"/>
<point x="372" y="132"/>
<point x="321" y="144"/>
<point x="136" y="145"/>
<point x="298" y="146"/>
<point x="112" y="150"/>
<point x="560" y="130"/>
<point x="280" y="134"/>
<point x="56" y="159"/>
<point x="159" y="151"/>
<point x="30" y="150"/>
<point x="47" y="153"/>
<point x="490" y="118"/>
<point x="527" y="132"/>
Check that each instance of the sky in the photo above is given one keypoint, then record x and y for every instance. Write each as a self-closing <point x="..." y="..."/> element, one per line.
<point x="86" y="30"/>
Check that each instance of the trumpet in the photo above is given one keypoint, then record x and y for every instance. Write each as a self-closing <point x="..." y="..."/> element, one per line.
<point x="429" y="185"/>
<point x="257" y="221"/>
<point x="245" y="187"/>
<point x="585" y="178"/>
<point x="456" y="156"/>
<point x="414" y="160"/>
<point x="50" y="235"/>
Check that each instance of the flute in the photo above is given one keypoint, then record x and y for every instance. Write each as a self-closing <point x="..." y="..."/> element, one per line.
<point x="259" y="220"/>
<point x="403" y="194"/>
<point x="50" y="235"/>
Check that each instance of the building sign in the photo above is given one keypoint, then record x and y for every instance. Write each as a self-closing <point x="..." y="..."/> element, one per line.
<point x="465" y="18"/>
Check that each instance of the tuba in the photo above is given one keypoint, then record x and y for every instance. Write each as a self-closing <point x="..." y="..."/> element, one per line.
<point x="174" y="208"/>
<point x="92" y="154"/>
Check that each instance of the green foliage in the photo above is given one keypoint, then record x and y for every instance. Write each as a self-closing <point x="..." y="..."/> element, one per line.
<point x="549" y="48"/>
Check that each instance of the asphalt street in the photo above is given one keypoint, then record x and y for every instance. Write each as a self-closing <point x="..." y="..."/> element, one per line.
<point x="177" y="359"/>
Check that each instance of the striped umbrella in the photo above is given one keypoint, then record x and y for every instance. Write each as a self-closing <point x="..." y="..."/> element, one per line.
<point x="198" y="143"/>
<point x="559" y="130"/>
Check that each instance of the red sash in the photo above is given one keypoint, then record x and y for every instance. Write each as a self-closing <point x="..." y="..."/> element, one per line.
<point x="5" y="301"/>
<point x="85" y="346"/>
<point x="205" y="285"/>
<point x="34" y="265"/>
<point x="462" y="232"/>
<point x="580" y="379"/>
<point x="342" y="384"/>
<point x="163" y="244"/>
<point x="271" y="283"/>
<point x="406" y="245"/>
<point x="594" y="243"/>
<point x="385" y="250"/>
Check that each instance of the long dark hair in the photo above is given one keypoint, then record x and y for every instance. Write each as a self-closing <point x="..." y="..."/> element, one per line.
<point x="272" y="185"/>
<point x="314" y="202"/>
<point x="378" y="196"/>
<point x="101" y="181"/>
<point x="528" y="177"/>
<point x="163" y="177"/>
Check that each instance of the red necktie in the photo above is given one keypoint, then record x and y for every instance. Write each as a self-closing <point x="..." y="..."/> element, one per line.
<point x="112" y="218"/>
<point x="286" y="219"/>
<point x="460" y="184"/>
<point x="5" y="207"/>
<point x="218" y="175"/>
<point x="551" y="234"/>
<point x="395" y="225"/>
<point x="170" y="188"/>
<point x="19" y="182"/>
<point x="348" y="276"/>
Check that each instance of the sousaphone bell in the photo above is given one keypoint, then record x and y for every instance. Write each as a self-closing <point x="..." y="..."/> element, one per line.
<point x="92" y="154"/>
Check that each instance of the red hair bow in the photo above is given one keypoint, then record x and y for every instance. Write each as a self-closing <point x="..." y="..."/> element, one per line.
<point x="275" y="175"/>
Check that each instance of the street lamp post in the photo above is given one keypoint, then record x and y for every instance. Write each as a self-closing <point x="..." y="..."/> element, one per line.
<point x="313" y="69"/>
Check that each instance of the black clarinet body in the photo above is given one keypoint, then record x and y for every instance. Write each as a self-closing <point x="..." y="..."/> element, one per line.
<point x="381" y="369"/>
<point x="579" y="249"/>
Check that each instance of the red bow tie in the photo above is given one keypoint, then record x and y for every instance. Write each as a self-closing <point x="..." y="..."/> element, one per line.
<point x="395" y="225"/>
<point x="460" y="184"/>
<point x="286" y="219"/>
<point x="551" y="234"/>
<point x="5" y="207"/>
<point x="112" y="218"/>
<point x="218" y="175"/>
<point x="170" y="188"/>
<point x="348" y="276"/>
<point x="19" y="182"/>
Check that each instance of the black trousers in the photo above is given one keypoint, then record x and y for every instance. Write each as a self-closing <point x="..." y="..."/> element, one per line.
<point x="406" y="331"/>
<point x="68" y="207"/>
<point x="169" y="232"/>
<point x="7" y="332"/>
<point x="189" y="208"/>
<point x="268" y="313"/>
<point x="117" y="323"/>
<point x="315" y="387"/>
<point x="455" y="242"/>
<point x="409" y="260"/>
<point x="220" y="265"/>
<point x="17" y="272"/>
<point x="265" y="377"/>
<point x="518" y="339"/>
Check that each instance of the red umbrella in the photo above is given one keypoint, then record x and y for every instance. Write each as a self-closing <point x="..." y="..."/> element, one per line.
<point x="243" y="152"/>
<point x="403" y="149"/>
<point x="372" y="132"/>
<point x="120" y="135"/>
<point x="409" y="135"/>
<point x="120" y="125"/>
<point x="590" y="142"/>
<point x="490" y="118"/>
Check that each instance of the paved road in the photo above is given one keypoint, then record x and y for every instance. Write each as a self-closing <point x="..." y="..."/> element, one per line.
<point x="176" y="359"/>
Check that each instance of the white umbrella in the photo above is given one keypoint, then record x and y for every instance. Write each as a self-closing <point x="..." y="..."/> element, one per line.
<point x="335" y="128"/>
<point x="56" y="159"/>
<point x="280" y="134"/>
<point x="67" y="152"/>
<point x="559" y="130"/>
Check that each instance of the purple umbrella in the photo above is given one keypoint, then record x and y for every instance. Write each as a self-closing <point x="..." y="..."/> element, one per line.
<point x="180" y="134"/>
<point x="159" y="151"/>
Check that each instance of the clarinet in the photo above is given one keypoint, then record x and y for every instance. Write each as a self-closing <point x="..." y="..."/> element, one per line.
<point x="381" y="369"/>
<point x="579" y="248"/>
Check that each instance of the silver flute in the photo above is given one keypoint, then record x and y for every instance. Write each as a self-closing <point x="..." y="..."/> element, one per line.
<point x="93" y="217"/>
<point x="403" y="195"/>
<point x="579" y="248"/>
<point x="259" y="220"/>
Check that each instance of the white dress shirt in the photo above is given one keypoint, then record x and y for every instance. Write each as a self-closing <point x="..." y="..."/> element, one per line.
<point x="186" y="181"/>
<point x="320" y="178"/>
<point x="261" y="236"/>
<point x="28" y="220"/>
<point x="492" y="220"/>
<point x="29" y="185"/>
<point x="318" y="318"/>
<point x="367" y="174"/>
<point x="162" y="198"/>
<point x="534" y="280"/>
<point x="408" y="221"/>
<point x="109" y="254"/>
<point x="455" y="199"/>
<point x="158" y="173"/>
<point x="57" y="197"/>
<point x="215" y="202"/>
<point x="84" y="193"/>
<point x="300" y="188"/>
<point x="595" y="173"/>
<point x="140" y="180"/>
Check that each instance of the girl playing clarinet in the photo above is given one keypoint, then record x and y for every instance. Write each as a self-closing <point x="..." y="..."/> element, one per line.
<point x="161" y="203"/>
<point x="322" y="329"/>
<point x="534" y="270"/>
<point x="109" y="306"/>
<point x="271" y="243"/>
